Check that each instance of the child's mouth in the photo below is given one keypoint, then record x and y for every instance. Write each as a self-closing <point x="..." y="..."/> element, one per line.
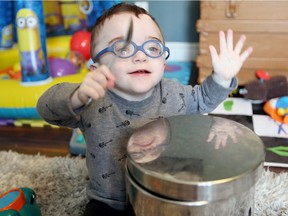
<point x="140" y="72"/>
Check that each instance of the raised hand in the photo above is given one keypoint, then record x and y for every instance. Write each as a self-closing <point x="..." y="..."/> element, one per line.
<point x="94" y="86"/>
<point x="229" y="61"/>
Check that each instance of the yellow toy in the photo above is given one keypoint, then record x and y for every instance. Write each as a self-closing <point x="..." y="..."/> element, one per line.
<point x="33" y="64"/>
<point x="7" y="35"/>
<point x="57" y="47"/>
<point x="19" y="102"/>
<point x="52" y="12"/>
<point x="73" y="18"/>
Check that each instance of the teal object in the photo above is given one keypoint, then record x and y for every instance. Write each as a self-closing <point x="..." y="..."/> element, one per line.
<point x="19" y="113"/>
<point x="77" y="143"/>
<point x="19" y="202"/>
<point x="282" y="102"/>
<point x="179" y="71"/>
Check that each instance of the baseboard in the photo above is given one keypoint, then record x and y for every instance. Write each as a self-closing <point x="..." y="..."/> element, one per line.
<point x="182" y="51"/>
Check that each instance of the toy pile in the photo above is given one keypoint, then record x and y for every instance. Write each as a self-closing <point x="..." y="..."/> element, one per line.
<point x="42" y="43"/>
<point x="272" y="91"/>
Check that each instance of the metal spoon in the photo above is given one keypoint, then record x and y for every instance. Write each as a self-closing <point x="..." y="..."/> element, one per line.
<point x="127" y="41"/>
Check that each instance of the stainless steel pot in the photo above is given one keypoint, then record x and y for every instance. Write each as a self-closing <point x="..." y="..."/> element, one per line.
<point x="193" y="165"/>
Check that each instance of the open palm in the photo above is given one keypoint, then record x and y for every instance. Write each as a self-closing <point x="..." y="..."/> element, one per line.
<point x="230" y="60"/>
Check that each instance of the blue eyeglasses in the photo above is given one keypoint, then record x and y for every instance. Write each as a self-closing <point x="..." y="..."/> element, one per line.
<point x="152" y="48"/>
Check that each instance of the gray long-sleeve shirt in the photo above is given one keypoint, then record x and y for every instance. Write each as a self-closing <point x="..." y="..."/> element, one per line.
<point x="107" y="124"/>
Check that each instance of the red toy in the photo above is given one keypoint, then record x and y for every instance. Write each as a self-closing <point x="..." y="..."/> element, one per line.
<point x="80" y="42"/>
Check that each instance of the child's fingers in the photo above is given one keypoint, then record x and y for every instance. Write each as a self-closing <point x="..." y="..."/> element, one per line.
<point x="97" y="91"/>
<point x="210" y="137"/>
<point x="103" y="76"/>
<point x="221" y="142"/>
<point x="246" y="54"/>
<point x="222" y="42"/>
<point x="234" y="138"/>
<point x="213" y="53"/>
<point x="95" y="84"/>
<point x="240" y="44"/>
<point x="110" y="79"/>
<point x="90" y="90"/>
<point x="230" y="40"/>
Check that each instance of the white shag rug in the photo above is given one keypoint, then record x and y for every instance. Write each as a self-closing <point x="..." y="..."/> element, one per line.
<point x="60" y="183"/>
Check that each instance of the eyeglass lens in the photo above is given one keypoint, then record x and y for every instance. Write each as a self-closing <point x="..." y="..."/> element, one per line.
<point x="151" y="48"/>
<point x="122" y="51"/>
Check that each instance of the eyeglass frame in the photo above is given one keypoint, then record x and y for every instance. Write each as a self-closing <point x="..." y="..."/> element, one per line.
<point x="136" y="49"/>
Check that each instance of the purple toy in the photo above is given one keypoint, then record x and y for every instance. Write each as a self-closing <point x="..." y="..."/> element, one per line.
<point x="61" y="67"/>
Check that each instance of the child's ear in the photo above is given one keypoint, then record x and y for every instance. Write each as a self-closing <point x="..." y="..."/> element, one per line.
<point x="94" y="66"/>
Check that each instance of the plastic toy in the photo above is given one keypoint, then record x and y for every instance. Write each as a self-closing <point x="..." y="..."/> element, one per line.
<point x="77" y="144"/>
<point x="6" y="24"/>
<point x="277" y="108"/>
<point x="61" y="67"/>
<point x="53" y="18"/>
<point x="18" y="99"/>
<point x="57" y="47"/>
<point x="11" y="73"/>
<point x="37" y="8"/>
<point x="80" y="42"/>
<point x="31" y="39"/>
<point x="33" y="64"/>
<point x="262" y="75"/>
<point x="21" y="100"/>
<point x="76" y="58"/>
<point x="74" y="19"/>
<point x="9" y="57"/>
<point x="19" y="202"/>
<point x="265" y="87"/>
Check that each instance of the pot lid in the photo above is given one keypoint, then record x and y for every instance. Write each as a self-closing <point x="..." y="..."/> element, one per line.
<point x="195" y="158"/>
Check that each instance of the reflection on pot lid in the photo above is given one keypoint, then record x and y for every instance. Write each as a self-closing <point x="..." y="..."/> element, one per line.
<point x="195" y="157"/>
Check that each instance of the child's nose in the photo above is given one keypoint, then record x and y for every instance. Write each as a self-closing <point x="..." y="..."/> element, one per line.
<point x="139" y="56"/>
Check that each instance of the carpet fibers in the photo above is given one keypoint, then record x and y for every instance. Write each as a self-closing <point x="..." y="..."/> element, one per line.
<point x="59" y="183"/>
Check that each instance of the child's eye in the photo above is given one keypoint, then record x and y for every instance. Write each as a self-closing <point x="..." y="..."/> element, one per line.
<point x="154" y="49"/>
<point x="123" y="50"/>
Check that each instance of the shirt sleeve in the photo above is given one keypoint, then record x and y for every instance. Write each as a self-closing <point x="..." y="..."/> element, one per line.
<point x="54" y="105"/>
<point x="206" y="97"/>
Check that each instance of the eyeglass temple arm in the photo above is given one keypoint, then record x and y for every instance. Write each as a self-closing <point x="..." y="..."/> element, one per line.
<point x="166" y="49"/>
<point x="107" y="49"/>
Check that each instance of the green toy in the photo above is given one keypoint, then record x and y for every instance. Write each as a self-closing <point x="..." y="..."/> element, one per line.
<point x="19" y="202"/>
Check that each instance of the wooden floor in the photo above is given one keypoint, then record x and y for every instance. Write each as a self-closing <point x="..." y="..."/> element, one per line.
<point x="32" y="140"/>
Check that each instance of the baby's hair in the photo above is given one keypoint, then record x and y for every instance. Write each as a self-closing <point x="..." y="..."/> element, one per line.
<point x="116" y="9"/>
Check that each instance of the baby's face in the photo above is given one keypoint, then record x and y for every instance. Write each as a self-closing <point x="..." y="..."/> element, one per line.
<point x="148" y="142"/>
<point x="137" y="75"/>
